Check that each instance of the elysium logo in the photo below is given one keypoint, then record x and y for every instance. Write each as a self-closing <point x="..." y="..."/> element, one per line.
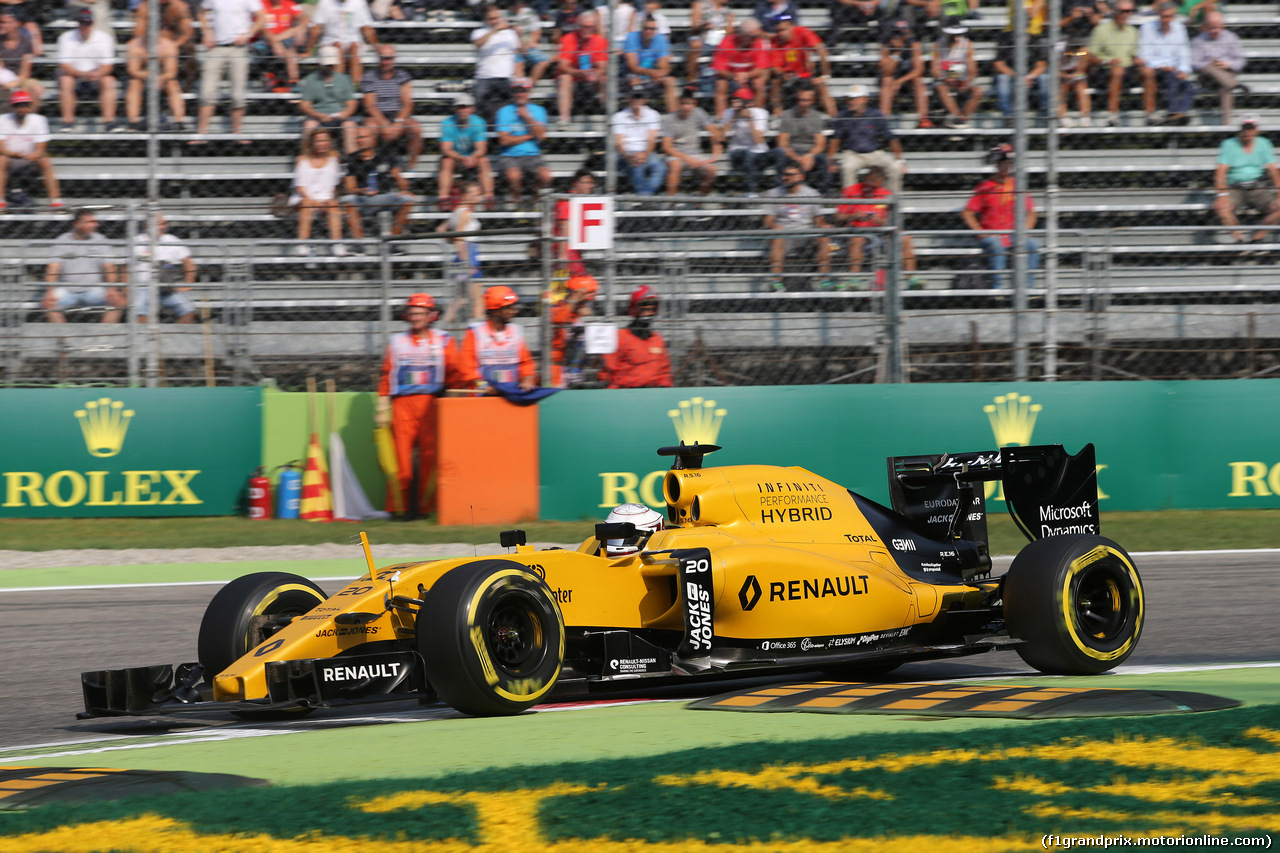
<point x="104" y="423"/>
<point x="1013" y="417"/>
<point x="697" y="420"/>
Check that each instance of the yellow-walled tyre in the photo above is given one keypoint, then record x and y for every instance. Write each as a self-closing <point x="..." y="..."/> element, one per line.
<point x="247" y="611"/>
<point x="492" y="638"/>
<point x="1077" y="602"/>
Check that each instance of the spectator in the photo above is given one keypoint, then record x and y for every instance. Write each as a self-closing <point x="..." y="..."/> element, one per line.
<point x="570" y="260"/>
<point x="859" y="135"/>
<point x="176" y="268"/>
<point x="348" y="26"/>
<point x="1079" y="17"/>
<point x="421" y="362"/>
<point x="641" y="359"/>
<point x="635" y="132"/>
<point x="466" y="248"/>
<point x="742" y="61"/>
<point x="86" y="59"/>
<point x="16" y="56"/>
<point x="29" y="16"/>
<point x="1196" y="11"/>
<point x="795" y="49"/>
<point x="1036" y="80"/>
<point x="464" y="150"/>
<point x="582" y="62"/>
<point x="955" y="73"/>
<point x="1243" y="161"/>
<point x="175" y="16"/>
<point x="567" y="350"/>
<point x="1217" y="58"/>
<point x="744" y="130"/>
<point x="328" y="99"/>
<point x="651" y="10"/>
<point x="709" y="22"/>
<point x="802" y="140"/>
<point x="24" y="140"/>
<point x="1165" y="51"/>
<point x="990" y="213"/>
<point x="1113" y="64"/>
<point x="565" y="20"/>
<point x="647" y="59"/>
<point x="791" y="215"/>
<point x="374" y="183"/>
<point x="138" y="66"/>
<point x="769" y="12"/>
<point x="388" y="103"/>
<point x="493" y="348"/>
<point x="850" y="15"/>
<point x="1073" y="76"/>
<point x="497" y="49"/>
<point x="315" y="185"/>
<point x="80" y="273"/>
<point x="682" y="143"/>
<point x="927" y="16"/>
<point x="521" y="127"/>
<point x="284" y="31"/>
<point x="532" y="61"/>
<point x="866" y="209"/>
<point x="902" y="64"/>
<point x="227" y="26"/>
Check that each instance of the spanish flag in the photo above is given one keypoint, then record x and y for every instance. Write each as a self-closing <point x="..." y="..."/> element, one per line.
<point x="317" y="497"/>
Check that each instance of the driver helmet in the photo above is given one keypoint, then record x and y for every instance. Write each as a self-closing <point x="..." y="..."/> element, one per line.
<point x="647" y="522"/>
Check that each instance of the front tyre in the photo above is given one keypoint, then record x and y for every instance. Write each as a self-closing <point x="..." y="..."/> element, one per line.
<point x="249" y="610"/>
<point x="1077" y="602"/>
<point x="492" y="638"/>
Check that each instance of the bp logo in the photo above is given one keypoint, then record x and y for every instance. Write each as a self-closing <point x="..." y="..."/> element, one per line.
<point x="104" y="423"/>
<point x="697" y="420"/>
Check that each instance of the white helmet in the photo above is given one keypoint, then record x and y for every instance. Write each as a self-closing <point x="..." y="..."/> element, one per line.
<point x="647" y="522"/>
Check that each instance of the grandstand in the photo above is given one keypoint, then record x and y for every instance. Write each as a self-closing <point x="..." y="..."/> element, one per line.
<point x="1140" y="245"/>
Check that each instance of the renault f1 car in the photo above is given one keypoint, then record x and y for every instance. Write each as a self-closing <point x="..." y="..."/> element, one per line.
<point x="760" y="568"/>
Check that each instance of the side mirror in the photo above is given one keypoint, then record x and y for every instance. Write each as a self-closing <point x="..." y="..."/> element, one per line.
<point x="607" y="530"/>
<point x="511" y="538"/>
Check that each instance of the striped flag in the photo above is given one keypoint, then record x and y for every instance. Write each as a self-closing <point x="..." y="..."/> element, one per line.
<point x="317" y="497"/>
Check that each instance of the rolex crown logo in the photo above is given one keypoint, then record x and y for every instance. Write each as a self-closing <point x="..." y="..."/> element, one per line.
<point x="104" y="423"/>
<point x="1013" y="417"/>
<point x="697" y="420"/>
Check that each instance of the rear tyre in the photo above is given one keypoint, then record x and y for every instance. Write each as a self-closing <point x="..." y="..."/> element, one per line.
<point x="492" y="638"/>
<point x="1077" y="602"/>
<point x="249" y="610"/>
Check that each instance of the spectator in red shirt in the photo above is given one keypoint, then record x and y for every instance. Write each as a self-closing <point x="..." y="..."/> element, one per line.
<point x="284" y="30"/>
<point x="990" y="214"/>
<point x="641" y="359"/>
<point x="795" y="49"/>
<point x="741" y="60"/>
<point x="583" y="57"/>
<point x="861" y="212"/>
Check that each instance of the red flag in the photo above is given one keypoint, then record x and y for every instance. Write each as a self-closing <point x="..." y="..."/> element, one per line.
<point x="317" y="496"/>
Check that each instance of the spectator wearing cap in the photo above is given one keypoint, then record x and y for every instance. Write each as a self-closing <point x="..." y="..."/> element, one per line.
<point x="1216" y="56"/>
<point x="1165" y="51"/>
<point x="464" y="150"/>
<point x="228" y="27"/>
<point x="28" y="16"/>
<point x="1246" y="164"/>
<point x="769" y="12"/>
<point x="497" y="47"/>
<point x="636" y="131"/>
<point x="24" y="140"/>
<point x="17" y="53"/>
<point x="860" y="134"/>
<point x="647" y="56"/>
<point x="902" y="65"/>
<point x="138" y="67"/>
<point x="388" y="102"/>
<point x="744" y="131"/>
<point x="797" y="53"/>
<point x="1113" y="63"/>
<point x="641" y="359"/>
<point x="682" y="143"/>
<point x="742" y="61"/>
<point x="584" y="55"/>
<point x="990" y="214"/>
<point x="86" y="59"/>
<point x="802" y="140"/>
<point x="348" y="26"/>
<point x="955" y="74"/>
<point x="328" y="99"/>
<point x="521" y="127"/>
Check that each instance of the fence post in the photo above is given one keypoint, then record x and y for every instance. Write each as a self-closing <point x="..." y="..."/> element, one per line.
<point x="895" y="368"/>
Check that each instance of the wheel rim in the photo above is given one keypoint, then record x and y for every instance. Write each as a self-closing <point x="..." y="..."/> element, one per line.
<point x="1101" y="609"/>
<point x="515" y="633"/>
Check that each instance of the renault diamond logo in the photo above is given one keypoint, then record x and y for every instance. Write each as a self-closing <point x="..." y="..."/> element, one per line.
<point x="1013" y="417"/>
<point x="104" y="423"/>
<point x="697" y="420"/>
<point x="749" y="595"/>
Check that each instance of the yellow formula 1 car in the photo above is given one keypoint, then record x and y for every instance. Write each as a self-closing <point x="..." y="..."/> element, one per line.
<point x="760" y="568"/>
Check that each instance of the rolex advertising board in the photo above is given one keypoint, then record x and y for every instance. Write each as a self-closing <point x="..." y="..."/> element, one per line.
<point x="1159" y="445"/>
<point x="127" y="452"/>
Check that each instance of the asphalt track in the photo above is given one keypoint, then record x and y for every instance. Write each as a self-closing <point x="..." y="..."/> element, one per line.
<point x="1203" y="608"/>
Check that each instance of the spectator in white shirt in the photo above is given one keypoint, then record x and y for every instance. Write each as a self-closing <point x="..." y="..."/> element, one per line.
<point x="497" y="46"/>
<point x="744" y="127"/>
<point x="1217" y="57"/>
<point x="228" y="27"/>
<point x="1165" y="51"/>
<point x="636" y="132"/>
<point x="86" y="57"/>
<point x="348" y="26"/>
<point x="176" y="270"/>
<point x="24" y="136"/>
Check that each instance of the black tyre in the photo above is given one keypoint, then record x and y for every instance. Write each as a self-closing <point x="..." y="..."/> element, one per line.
<point x="1077" y="601"/>
<point x="247" y="611"/>
<point x="492" y="638"/>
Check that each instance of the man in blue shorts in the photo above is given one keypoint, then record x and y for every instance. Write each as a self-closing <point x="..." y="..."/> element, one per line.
<point x="464" y="150"/>
<point x="80" y="273"/>
<point x="521" y="128"/>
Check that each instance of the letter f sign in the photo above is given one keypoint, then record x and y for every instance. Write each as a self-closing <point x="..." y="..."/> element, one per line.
<point x="590" y="222"/>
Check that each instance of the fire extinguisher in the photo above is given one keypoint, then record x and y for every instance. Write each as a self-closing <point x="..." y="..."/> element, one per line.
<point x="289" y="490"/>
<point x="259" y="494"/>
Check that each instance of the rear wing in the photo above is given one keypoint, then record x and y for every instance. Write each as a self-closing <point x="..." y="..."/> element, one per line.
<point x="1047" y="491"/>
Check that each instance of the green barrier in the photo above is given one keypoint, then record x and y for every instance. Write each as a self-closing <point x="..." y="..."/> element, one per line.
<point x="1160" y="445"/>
<point x="127" y="452"/>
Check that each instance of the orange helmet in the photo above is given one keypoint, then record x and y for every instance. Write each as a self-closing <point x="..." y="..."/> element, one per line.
<point x="421" y="300"/>
<point x="584" y="283"/>
<point x="499" y="296"/>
